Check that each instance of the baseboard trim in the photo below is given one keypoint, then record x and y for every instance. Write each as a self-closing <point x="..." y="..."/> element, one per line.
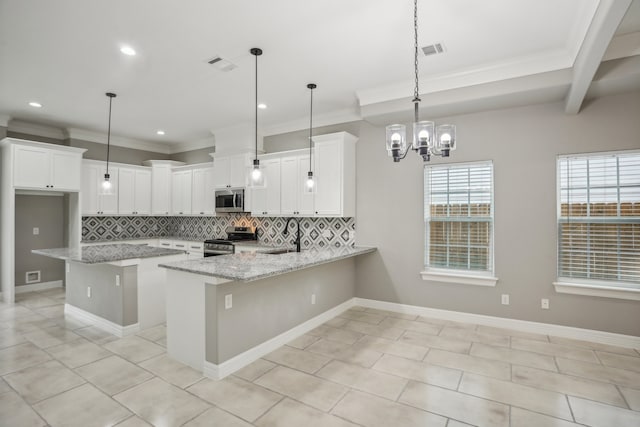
<point x="602" y="337"/>
<point x="100" y="322"/>
<point x="38" y="286"/>
<point x="218" y="372"/>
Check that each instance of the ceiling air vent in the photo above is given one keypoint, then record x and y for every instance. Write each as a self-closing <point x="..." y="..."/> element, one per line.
<point x="433" y="49"/>
<point x="221" y="63"/>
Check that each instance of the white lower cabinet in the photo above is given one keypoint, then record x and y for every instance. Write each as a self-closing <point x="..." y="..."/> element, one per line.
<point x="266" y="201"/>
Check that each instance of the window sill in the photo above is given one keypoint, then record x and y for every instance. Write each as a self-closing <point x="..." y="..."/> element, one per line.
<point x="458" y="277"/>
<point x="604" y="291"/>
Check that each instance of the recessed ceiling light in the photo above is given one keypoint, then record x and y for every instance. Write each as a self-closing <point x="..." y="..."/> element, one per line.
<point x="160" y="132"/>
<point x="35" y="104"/>
<point x="262" y="106"/>
<point x="127" y="50"/>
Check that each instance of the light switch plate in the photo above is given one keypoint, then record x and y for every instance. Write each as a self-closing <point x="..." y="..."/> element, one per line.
<point x="228" y="301"/>
<point x="36" y="231"/>
<point x="505" y="299"/>
<point x="544" y="304"/>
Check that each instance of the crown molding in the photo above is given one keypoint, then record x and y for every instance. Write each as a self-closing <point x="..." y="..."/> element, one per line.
<point x="4" y="120"/>
<point x="20" y="126"/>
<point x="180" y="147"/>
<point x="328" y="119"/>
<point x="100" y="138"/>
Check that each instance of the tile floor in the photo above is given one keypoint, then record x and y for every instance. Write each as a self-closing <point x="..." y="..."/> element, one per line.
<point x="363" y="368"/>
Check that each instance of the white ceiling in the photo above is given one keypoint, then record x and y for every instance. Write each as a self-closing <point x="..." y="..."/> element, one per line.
<point x="65" y="55"/>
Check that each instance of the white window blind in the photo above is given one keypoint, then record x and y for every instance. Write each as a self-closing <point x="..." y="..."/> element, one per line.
<point x="599" y="217"/>
<point x="459" y="216"/>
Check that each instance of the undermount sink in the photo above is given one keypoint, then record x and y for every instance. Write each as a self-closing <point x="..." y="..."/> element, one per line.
<point x="280" y="251"/>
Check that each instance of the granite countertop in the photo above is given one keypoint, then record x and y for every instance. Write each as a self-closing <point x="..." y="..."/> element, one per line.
<point x="106" y="253"/>
<point x="247" y="267"/>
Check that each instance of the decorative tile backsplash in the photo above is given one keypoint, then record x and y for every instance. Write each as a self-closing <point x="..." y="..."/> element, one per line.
<point x="316" y="232"/>
<point x="96" y="228"/>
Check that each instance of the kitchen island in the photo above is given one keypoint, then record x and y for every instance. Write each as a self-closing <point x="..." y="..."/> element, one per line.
<point x="115" y="287"/>
<point x="225" y="312"/>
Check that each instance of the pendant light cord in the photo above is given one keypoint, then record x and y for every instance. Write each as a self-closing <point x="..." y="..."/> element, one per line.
<point x="310" y="126"/>
<point x="256" y="105"/>
<point x="111" y="96"/>
<point x="416" y="92"/>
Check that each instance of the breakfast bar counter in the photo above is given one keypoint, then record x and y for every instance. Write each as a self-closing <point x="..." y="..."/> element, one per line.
<point x="247" y="267"/>
<point x="226" y="311"/>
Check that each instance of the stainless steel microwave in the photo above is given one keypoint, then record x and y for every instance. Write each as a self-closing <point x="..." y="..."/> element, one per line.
<point x="230" y="200"/>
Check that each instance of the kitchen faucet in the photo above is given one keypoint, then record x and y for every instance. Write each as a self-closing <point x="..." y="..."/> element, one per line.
<point x="286" y="231"/>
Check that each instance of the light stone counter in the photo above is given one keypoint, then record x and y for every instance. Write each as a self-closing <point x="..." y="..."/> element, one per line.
<point x="247" y="267"/>
<point x="107" y="253"/>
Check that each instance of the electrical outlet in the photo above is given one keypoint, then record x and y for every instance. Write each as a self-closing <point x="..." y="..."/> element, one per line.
<point x="505" y="299"/>
<point x="117" y="280"/>
<point x="36" y="231"/>
<point x="313" y="298"/>
<point x="88" y="291"/>
<point x="228" y="301"/>
<point x="544" y="304"/>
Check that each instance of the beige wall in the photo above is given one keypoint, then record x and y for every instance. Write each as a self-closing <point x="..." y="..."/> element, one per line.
<point x="194" y="156"/>
<point x="96" y="151"/>
<point x="300" y="139"/>
<point x="37" y="138"/>
<point x="523" y="144"/>
<point x="46" y="213"/>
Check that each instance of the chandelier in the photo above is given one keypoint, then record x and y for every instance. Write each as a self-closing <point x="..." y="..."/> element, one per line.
<point x="425" y="141"/>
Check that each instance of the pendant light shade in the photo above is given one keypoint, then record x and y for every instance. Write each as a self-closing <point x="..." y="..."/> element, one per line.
<point x="428" y="139"/>
<point x="257" y="176"/>
<point x="310" y="184"/>
<point x="106" y="187"/>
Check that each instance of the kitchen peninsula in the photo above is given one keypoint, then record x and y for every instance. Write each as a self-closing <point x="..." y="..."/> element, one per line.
<point x="225" y="312"/>
<point x="116" y="287"/>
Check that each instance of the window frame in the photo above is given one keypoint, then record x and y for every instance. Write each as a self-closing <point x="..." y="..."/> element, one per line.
<point x="584" y="286"/>
<point x="451" y="275"/>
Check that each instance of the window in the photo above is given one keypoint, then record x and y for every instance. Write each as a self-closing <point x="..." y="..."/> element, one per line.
<point x="459" y="222"/>
<point x="599" y="220"/>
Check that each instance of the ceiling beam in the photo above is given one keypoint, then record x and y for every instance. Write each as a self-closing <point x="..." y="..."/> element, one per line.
<point x="603" y="26"/>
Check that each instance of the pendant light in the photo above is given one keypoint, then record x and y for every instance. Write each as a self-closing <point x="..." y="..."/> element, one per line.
<point x="257" y="177"/>
<point x="107" y="187"/>
<point x="310" y="184"/>
<point x="424" y="142"/>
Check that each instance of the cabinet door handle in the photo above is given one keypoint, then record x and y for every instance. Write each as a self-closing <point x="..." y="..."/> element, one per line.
<point x="179" y="246"/>
<point x="201" y="213"/>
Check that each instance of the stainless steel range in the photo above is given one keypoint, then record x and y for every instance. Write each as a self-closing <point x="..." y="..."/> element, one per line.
<point x="215" y="247"/>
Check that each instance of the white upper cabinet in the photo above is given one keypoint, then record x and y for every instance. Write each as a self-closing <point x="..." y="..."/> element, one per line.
<point x="266" y="201"/>
<point x="230" y="171"/>
<point x="335" y="171"/>
<point x="160" y="190"/>
<point x="181" y="192"/>
<point x="93" y="202"/>
<point x="134" y="191"/>
<point x="36" y="166"/>
<point x="203" y="192"/>
<point x="294" y="200"/>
